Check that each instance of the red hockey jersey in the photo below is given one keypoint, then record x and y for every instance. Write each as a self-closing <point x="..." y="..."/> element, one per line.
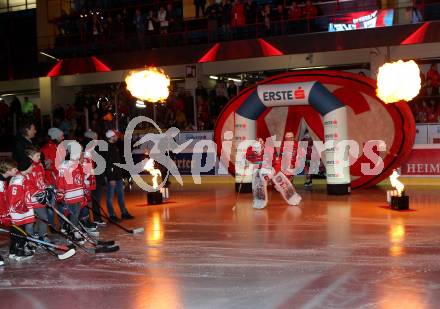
<point x="5" y="218"/>
<point x="19" y="190"/>
<point x="253" y="156"/>
<point x="263" y="157"/>
<point x="70" y="183"/>
<point x="37" y="184"/>
<point x="49" y="152"/>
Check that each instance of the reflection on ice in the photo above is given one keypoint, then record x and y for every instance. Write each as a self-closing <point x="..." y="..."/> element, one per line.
<point x="397" y="238"/>
<point x="155" y="229"/>
<point x="332" y="252"/>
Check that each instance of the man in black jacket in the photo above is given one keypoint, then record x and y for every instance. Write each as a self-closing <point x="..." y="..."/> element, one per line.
<point x="114" y="176"/>
<point x="27" y="132"/>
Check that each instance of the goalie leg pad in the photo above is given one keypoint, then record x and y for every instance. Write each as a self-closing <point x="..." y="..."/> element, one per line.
<point x="286" y="188"/>
<point x="259" y="190"/>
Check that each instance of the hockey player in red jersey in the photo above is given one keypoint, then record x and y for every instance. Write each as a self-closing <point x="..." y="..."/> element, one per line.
<point x="267" y="166"/>
<point x="19" y="192"/>
<point x="70" y="184"/>
<point x="8" y="168"/>
<point x="49" y="153"/>
<point x="37" y="179"/>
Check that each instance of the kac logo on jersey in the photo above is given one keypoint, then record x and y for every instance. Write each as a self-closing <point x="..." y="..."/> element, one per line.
<point x="78" y="180"/>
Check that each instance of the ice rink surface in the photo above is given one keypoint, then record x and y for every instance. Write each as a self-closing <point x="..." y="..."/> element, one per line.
<point x="196" y="252"/>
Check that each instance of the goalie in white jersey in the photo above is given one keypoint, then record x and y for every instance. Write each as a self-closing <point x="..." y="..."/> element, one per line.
<point x="267" y="166"/>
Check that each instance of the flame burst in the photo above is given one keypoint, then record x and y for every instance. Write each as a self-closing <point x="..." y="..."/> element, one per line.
<point x="398" y="81"/>
<point x="149" y="167"/>
<point x="395" y="183"/>
<point x="149" y="85"/>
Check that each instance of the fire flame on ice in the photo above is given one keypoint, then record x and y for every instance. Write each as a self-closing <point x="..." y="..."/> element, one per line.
<point x="149" y="85"/>
<point x="395" y="183"/>
<point x="398" y="81"/>
<point x="149" y="167"/>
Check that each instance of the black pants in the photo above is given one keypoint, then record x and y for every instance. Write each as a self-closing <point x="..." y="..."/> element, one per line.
<point x="16" y="241"/>
<point x="96" y="200"/>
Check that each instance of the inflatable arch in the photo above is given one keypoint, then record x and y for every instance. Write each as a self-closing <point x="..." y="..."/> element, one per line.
<point x="334" y="115"/>
<point x="333" y="106"/>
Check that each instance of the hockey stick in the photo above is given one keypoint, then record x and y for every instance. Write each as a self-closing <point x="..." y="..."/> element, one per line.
<point x="69" y="252"/>
<point x="98" y="242"/>
<point x="131" y="231"/>
<point x="97" y="249"/>
<point x="87" y="237"/>
<point x="239" y="187"/>
<point x="32" y="239"/>
<point x="103" y="214"/>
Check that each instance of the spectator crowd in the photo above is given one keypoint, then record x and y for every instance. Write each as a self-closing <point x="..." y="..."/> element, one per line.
<point x="107" y="26"/>
<point x="425" y="106"/>
<point x="115" y="27"/>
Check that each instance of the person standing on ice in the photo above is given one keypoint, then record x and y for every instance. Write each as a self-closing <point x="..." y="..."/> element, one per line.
<point x="267" y="167"/>
<point x="114" y="178"/>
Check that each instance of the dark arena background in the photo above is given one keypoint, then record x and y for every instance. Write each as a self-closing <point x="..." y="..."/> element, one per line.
<point x="199" y="101"/>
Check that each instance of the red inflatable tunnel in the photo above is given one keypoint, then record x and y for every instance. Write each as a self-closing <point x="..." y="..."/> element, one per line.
<point x="368" y="119"/>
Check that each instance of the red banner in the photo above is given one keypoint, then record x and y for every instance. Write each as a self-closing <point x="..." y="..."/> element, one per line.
<point x="422" y="162"/>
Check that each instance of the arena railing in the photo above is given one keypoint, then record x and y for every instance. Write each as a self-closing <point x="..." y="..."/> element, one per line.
<point x="184" y="33"/>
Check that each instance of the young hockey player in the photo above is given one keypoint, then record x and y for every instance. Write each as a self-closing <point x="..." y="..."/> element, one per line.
<point x="49" y="153"/>
<point x="266" y="168"/>
<point x="8" y="168"/>
<point x="37" y="179"/>
<point x="20" y="190"/>
<point x="70" y="185"/>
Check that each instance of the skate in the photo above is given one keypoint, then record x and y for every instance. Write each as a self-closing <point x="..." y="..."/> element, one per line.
<point x="22" y="254"/>
<point x="308" y="184"/>
<point x="30" y="246"/>
<point x="2" y="262"/>
<point x="100" y="223"/>
<point x="76" y="237"/>
<point x="91" y="227"/>
<point x="12" y="251"/>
